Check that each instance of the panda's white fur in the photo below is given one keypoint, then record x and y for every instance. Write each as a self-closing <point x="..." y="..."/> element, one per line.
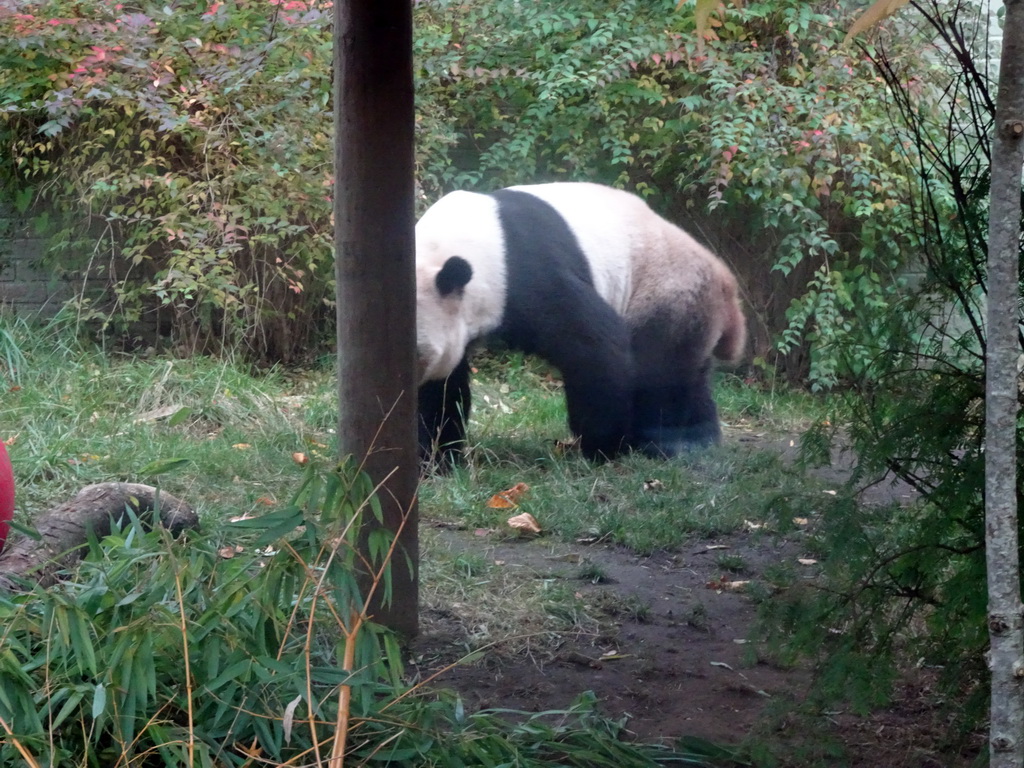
<point x="677" y="302"/>
<point x="466" y="224"/>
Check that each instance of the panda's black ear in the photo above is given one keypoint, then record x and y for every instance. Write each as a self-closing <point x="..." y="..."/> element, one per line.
<point x="454" y="276"/>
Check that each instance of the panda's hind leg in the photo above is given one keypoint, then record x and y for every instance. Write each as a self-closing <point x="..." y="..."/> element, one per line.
<point x="673" y="410"/>
<point x="443" y="412"/>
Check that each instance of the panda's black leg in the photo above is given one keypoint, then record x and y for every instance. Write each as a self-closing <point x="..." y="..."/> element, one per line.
<point x="673" y="410"/>
<point x="590" y="347"/>
<point x="674" y="418"/>
<point x="443" y="411"/>
<point x="599" y="415"/>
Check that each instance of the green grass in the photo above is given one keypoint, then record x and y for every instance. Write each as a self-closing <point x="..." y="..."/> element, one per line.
<point x="519" y="418"/>
<point x="79" y="416"/>
<point x="74" y="415"/>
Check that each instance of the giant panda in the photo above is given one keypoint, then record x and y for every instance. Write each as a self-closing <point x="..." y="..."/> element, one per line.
<point x="629" y="307"/>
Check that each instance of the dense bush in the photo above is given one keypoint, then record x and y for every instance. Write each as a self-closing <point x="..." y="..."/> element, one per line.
<point x="187" y="151"/>
<point x="254" y="649"/>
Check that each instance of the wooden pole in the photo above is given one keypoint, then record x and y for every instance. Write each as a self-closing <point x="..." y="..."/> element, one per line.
<point x="376" y="293"/>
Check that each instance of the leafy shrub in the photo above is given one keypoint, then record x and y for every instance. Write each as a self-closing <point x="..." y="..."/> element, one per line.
<point x="187" y="154"/>
<point x="192" y="654"/>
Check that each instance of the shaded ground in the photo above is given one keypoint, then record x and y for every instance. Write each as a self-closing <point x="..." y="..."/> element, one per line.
<point x="674" y="657"/>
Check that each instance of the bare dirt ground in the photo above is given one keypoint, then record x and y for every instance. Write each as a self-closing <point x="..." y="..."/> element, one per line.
<point x="686" y="665"/>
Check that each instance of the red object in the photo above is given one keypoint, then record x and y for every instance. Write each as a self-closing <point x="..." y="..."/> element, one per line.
<point x="6" y="494"/>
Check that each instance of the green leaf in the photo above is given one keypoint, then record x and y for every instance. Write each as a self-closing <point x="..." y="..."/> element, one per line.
<point x="99" y="701"/>
<point x="74" y="699"/>
<point x="233" y="672"/>
<point x="25" y="530"/>
<point x="179" y="416"/>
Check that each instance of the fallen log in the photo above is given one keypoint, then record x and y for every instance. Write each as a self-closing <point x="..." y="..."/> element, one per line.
<point x="64" y="529"/>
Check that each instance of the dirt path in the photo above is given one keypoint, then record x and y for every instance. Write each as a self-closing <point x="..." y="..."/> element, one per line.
<point x="675" y="656"/>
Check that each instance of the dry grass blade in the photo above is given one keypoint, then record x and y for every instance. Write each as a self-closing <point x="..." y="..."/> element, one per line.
<point x="25" y="754"/>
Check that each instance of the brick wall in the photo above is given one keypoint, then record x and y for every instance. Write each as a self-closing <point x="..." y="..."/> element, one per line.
<point x="24" y="287"/>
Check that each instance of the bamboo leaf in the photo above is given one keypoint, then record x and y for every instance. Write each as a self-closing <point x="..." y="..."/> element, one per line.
<point x="233" y="672"/>
<point x="74" y="699"/>
<point x="179" y="416"/>
<point x="99" y="701"/>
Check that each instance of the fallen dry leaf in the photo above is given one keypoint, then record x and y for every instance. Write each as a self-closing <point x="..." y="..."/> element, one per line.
<point x="653" y="485"/>
<point x="735" y="586"/>
<point x="563" y="447"/>
<point x="525" y="523"/>
<point x="752" y="526"/>
<point x="806" y="560"/>
<point x="241" y="446"/>
<point x="509" y="498"/>
<point x="725" y="584"/>
<point x="799" y="521"/>
<point x="230" y="551"/>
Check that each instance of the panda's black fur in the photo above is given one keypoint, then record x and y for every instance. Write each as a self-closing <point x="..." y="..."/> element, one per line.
<point x="636" y="376"/>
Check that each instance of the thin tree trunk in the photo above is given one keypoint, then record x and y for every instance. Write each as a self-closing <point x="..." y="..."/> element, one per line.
<point x="1006" y="734"/>
<point x="374" y="224"/>
<point x="64" y="530"/>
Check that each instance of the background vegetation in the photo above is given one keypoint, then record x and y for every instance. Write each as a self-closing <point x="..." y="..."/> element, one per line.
<point x="911" y="586"/>
<point x="185" y="154"/>
<point x="182" y="158"/>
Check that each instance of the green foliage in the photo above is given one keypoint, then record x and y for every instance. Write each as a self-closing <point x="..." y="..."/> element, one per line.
<point x="908" y="584"/>
<point x="160" y="653"/>
<point x="187" y="153"/>
<point x="535" y="90"/>
<point x="177" y="652"/>
<point x="11" y="357"/>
